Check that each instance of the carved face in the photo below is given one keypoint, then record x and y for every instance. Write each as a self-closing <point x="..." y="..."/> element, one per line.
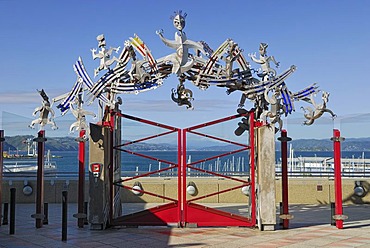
<point x="263" y="48"/>
<point x="179" y="22"/>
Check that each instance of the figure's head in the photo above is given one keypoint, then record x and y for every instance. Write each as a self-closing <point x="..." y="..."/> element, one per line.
<point x="263" y="47"/>
<point x="179" y="20"/>
<point x="101" y="39"/>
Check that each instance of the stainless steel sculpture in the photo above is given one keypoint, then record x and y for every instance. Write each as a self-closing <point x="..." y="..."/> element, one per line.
<point x="44" y="111"/>
<point x="135" y="70"/>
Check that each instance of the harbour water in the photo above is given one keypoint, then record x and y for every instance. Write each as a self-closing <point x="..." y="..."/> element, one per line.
<point x="67" y="161"/>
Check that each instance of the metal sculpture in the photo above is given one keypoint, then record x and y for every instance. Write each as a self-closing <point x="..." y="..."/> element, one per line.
<point x="195" y="62"/>
<point x="44" y="111"/>
<point x="319" y="109"/>
<point x="80" y="114"/>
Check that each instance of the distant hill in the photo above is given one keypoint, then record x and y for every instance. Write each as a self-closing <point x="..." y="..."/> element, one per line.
<point x="350" y="144"/>
<point x="69" y="144"/>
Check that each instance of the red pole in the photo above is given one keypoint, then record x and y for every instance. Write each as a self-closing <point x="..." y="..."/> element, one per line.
<point x="338" y="179"/>
<point x="183" y="174"/>
<point x="111" y="167"/>
<point x="81" y="176"/>
<point x="40" y="177"/>
<point x="252" y="167"/>
<point x="284" y="176"/>
<point x="179" y="188"/>
<point x="2" y="139"/>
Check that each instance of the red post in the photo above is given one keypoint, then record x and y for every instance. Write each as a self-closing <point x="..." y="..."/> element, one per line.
<point x="183" y="174"/>
<point x="40" y="178"/>
<point x="252" y="168"/>
<point x="284" y="176"/>
<point x="2" y="139"/>
<point x="81" y="176"/>
<point x="338" y="179"/>
<point x="179" y="189"/>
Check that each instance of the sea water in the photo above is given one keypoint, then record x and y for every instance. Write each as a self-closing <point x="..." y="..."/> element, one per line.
<point x="67" y="161"/>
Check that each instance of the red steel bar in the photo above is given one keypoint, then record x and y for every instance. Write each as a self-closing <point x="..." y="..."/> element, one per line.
<point x="338" y="179"/>
<point x="149" y="193"/>
<point x="217" y="138"/>
<point x="218" y="192"/>
<point x="81" y="177"/>
<point x="111" y="167"/>
<point x="146" y="121"/>
<point x="183" y="175"/>
<point x="214" y="122"/>
<point x="217" y="174"/>
<point x="145" y="156"/>
<point x="146" y="174"/>
<point x="284" y="175"/>
<point x="179" y="188"/>
<point x="218" y="156"/>
<point x="146" y="138"/>
<point x="252" y="167"/>
<point x="2" y="139"/>
<point x="40" y="177"/>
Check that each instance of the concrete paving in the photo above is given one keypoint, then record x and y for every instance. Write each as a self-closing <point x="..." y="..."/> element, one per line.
<point x="309" y="228"/>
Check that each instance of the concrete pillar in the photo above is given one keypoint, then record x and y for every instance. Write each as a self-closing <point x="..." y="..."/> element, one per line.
<point x="266" y="206"/>
<point x="99" y="186"/>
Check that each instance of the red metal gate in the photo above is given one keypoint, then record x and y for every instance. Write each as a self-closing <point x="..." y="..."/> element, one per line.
<point x="180" y="210"/>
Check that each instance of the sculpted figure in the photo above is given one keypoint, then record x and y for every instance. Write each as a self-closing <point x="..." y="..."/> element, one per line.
<point x="45" y="109"/>
<point x="80" y="114"/>
<point x="264" y="61"/>
<point x="319" y="109"/>
<point x="181" y="60"/>
<point x="104" y="55"/>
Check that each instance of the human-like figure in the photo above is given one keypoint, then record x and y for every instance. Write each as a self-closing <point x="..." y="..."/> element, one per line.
<point x="264" y="61"/>
<point x="45" y="109"/>
<point x="80" y="114"/>
<point x="181" y="60"/>
<point x="182" y="96"/>
<point x="319" y="109"/>
<point x="104" y="55"/>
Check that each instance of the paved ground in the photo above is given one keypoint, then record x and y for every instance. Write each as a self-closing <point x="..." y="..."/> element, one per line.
<point x="310" y="228"/>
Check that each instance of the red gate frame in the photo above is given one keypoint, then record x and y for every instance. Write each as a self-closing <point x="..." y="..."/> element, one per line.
<point x="180" y="210"/>
<point x="159" y="215"/>
<point x="199" y="215"/>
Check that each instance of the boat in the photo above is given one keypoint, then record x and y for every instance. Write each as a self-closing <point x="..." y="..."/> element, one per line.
<point x="28" y="164"/>
<point x="310" y="166"/>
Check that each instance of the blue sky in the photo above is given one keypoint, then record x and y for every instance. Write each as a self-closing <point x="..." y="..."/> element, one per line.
<point x="328" y="41"/>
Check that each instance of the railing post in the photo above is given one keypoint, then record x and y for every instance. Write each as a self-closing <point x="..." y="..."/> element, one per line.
<point x="64" y="215"/>
<point x="2" y="139"/>
<point x="284" y="178"/>
<point x="183" y="184"/>
<point x="40" y="178"/>
<point x="81" y="177"/>
<point x="179" y="178"/>
<point x="339" y="217"/>
<point x="252" y="168"/>
<point x="6" y="213"/>
<point x="12" y="211"/>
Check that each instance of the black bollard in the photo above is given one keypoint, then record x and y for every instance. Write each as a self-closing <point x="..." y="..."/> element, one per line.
<point x="85" y="212"/>
<point x="12" y="211"/>
<point x="281" y="221"/>
<point x="6" y="213"/>
<point x="46" y="214"/>
<point x="64" y="215"/>
<point x="332" y="213"/>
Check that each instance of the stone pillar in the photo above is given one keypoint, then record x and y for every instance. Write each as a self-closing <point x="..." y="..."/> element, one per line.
<point x="99" y="186"/>
<point x="266" y="207"/>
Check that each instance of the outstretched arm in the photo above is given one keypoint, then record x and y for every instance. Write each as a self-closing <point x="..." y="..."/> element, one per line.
<point x="170" y="43"/>
<point x="272" y="58"/>
<point x="254" y="59"/>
